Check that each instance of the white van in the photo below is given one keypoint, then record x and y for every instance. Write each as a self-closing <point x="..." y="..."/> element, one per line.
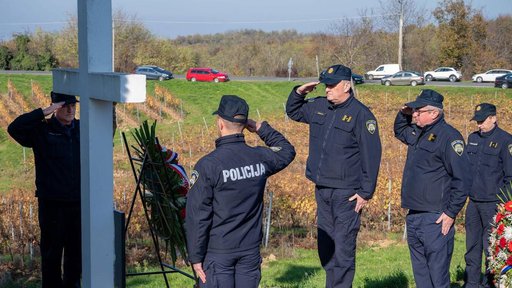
<point x="382" y="71"/>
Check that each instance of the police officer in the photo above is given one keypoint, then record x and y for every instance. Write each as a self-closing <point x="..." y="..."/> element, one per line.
<point x="225" y="203"/>
<point x="434" y="186"/>
<point x="343" y="162"/>
<point x="490" y="154"/>
<point x="56" y="145"/>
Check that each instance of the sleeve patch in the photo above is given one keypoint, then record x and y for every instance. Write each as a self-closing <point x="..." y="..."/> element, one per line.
<point x="458" y="147"/>
<point x="371" y="126"/>
<point x="510" y="149"/>
<point x="193" y="177"/>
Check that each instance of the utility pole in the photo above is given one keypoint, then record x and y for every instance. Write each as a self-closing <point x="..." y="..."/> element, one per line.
<point x="400" y="33"/>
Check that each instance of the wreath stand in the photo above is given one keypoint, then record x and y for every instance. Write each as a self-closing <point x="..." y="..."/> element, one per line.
<point x="146" y="163"/>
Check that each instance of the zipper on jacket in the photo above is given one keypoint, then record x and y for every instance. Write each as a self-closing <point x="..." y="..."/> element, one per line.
<point x="323" y="146"/>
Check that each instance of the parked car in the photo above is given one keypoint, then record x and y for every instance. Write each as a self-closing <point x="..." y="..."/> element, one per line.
<point x="206" y="74"/>
<point x="153" y="72"/>
<point x="403" y="78"/>
<point x="443" y="73"/>
<point x="504" y="81"/>
<point x="358" y="79"/>
<point x="490" y="75"/>
<point x="382" y="71"/>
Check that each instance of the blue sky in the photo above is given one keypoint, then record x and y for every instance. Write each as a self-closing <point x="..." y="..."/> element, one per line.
<point x="171" y="18"/>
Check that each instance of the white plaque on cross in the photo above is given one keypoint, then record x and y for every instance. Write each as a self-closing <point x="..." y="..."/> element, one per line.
<point x="97" y="86"/>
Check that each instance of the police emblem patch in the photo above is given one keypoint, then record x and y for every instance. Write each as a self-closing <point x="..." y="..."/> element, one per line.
<point x="193" y="177"/>
<point x="371" y="126"/>
<point x="330" y="70"/>
<point x="458" y="147"/>
<point x="275" y="148"/>
<point x="510" y="149"/>
<point x="478" y="108"/>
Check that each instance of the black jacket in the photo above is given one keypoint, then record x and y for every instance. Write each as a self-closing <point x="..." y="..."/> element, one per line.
<point x="225" y="203"/>
<point x="490" y="155"/>
<point x="344" y="143"/>
<point x="56" y="153"/>
<point x="436" y="174"/>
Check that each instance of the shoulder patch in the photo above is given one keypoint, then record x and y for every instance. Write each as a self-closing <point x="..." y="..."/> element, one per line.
<point x="458" y="147"/>
<point x="371" y="126"/>
<point x="193" y="177"/>
<point x="510" y="149"/>
<point x="275" y="148"/>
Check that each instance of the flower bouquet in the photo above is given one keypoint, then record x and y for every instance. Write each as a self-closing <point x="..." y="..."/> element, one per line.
<point x="165" y="185"/>
<point x="500" y="242"/>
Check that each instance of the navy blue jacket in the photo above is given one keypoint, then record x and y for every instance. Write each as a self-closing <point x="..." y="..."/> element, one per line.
<point x="490" y="155"/>
<point x="344" y="143"/>
<point x="225" y="203"/>
<point x="436" y="174"/>
<point x="56" y="154"/>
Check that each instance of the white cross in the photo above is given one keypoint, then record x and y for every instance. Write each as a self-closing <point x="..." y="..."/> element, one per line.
<point x="97" y="87"/>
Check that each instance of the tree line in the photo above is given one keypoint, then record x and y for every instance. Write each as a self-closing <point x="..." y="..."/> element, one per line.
<point x="453" y="34"/>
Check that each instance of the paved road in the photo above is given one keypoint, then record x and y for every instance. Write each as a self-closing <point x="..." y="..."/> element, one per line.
<point x="297" y="80"/>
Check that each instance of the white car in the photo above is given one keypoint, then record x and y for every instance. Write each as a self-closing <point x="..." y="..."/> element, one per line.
<point x="490" y="76"/>
<point x="443" y="73"/>
<point x="382" y="71"/>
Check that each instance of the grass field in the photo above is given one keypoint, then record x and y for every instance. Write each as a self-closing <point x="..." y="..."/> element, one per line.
<point x="381" y="263"/>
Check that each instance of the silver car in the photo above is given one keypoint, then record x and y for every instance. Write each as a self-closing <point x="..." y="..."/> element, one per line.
<point x="403" y="78"/>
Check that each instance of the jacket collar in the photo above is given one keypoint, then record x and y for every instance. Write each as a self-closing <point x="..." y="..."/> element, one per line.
<point x="344" y="104"/>
<point x="233" y="138"/>
<point x="487" y="134"/>
<point x="59" y="127"/>
<point x="433" y="124"/>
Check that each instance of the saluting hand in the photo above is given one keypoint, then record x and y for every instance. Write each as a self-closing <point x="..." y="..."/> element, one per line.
<point x="306" y="88"/>
<point x="252" y="125"/>
<point x="198" y="267"/>
<point x="447" y="223"/>
<point x="406" y="110"/>
<point x="54" y="106"/>
<point x="361" y="202"/>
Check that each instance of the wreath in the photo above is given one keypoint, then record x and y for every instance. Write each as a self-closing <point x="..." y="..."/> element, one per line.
<point x="500" y="242"/>
<point x="165" y="186"/>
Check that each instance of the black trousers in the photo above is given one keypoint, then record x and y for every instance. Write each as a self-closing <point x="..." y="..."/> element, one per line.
<point x="60" y="234"/>
<point x="338" y="226"/>
<point x="431" y="252"/>
<point x="479" y="216"/>
<point x="232" y="270"/>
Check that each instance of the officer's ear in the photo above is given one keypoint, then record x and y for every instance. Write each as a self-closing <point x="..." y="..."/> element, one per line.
<point x="346" y="86"/>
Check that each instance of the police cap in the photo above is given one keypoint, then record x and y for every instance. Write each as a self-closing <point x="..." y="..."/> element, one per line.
<point x="335" y="74"/>
<point x="482" y="111"/>
<point x="233" y="109"/>
<point x="427" y="97"/>
<point x="59" y="97"/>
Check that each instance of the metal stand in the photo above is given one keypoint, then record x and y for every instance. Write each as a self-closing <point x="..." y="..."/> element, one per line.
<point x="147" y="163"/>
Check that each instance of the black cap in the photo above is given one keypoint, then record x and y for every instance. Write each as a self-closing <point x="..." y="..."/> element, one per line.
<point x="335" y="74"/>
<point x="482" y="111"/>
<point x="427" y="97"/>
<point x="58" y="97"/>
<point x="231" y="106"/>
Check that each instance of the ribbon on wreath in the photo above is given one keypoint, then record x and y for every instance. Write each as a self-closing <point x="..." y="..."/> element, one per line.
<point x="505" y="269"/>
<point x="171" y="162"/>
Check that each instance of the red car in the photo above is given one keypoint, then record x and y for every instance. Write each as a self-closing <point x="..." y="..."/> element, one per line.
<point x="206" y="74"/>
